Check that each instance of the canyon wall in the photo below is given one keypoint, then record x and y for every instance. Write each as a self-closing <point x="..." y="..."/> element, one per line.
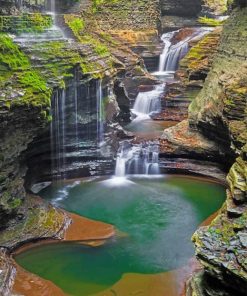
<point x="216" y="129"/>
<point x="220" y="113"/>
<point x="181" y="7"/>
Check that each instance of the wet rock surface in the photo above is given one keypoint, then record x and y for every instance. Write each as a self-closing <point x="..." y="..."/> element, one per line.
<point x="219" y="113"/>
<point x="37" y="220"/>
<point x="7" y="273"/>
<point x="197" y="63"/>
<point x="216" y="130"/>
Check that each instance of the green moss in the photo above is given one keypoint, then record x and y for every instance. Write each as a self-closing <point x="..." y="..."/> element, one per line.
<point x="16" y="67"/>
<point x="77" y="25"/>
<point x="16" y="203"/>
<point x="11" y="58"/>
<point x="97" y="4"/>
<point x="210" y="21"/>
<point x="34" y="22"/>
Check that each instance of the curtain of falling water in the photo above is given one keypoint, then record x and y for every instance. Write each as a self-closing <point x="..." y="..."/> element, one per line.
<point x="58" y="132"/>
<point x="100" y="113"/>
<point x="75" y="85"/>
<point x="138" y="159"/>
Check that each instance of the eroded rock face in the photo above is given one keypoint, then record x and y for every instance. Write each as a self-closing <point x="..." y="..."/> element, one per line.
<point x="220" y="108"/>
<point x="219" y="112"/>
<point x="7" y="273"/>
<point x="217" y="126"/>
<point x="195" y="66"/>
<point x="127" y="15"/>
<point x="181" y="7"/>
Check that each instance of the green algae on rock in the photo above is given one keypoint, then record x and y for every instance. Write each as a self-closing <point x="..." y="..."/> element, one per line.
<point x="194" y="67"/>
<point x="25" y="23"/>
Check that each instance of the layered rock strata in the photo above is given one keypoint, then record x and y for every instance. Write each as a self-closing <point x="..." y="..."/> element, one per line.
<point x="218" y="114"/>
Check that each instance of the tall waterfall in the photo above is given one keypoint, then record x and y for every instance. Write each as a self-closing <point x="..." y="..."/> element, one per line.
<point x="100" y="113"/>
<point x="148" y="102"/>
<point x="52" y="9"/>
<point x="173" y="53"/>
<point x="58" y="132"/>
<point x="138" y="159"/>
<point x="76" y="87"/>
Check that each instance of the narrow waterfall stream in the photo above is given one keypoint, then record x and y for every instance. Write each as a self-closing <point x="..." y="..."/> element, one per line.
<point x="100" y="113"/>
<point x="58" y="132"/>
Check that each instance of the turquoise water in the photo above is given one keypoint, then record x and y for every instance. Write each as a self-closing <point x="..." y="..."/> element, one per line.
<point x="158" y="215"/>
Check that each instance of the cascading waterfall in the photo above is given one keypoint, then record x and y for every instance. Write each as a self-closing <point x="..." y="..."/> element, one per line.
<point x="139" y="159"/>
<point x="148" y="102"/>
<point x="172" y="54"/>
<point x="166" y="38"/>
<point x="51" y="34"/>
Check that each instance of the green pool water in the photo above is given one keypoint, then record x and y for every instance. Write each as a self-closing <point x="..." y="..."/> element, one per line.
<point x="159" y="216"/>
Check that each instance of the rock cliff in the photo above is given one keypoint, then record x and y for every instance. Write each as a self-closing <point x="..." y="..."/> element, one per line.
<point x="219" y="112"/>
<point x="217" y="120"/>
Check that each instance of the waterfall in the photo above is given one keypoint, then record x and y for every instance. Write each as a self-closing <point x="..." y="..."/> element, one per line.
<point x="52" y="9"/>
<point x="148" y="102"/>
<point x="58" y="132"/>
<point x="50" y="34"/>
<point x="139" y="159"/>
<point x="75" y="86"/>
<point x="19" y="4"/>
<point x="173" y="53"/>
<point x="100" y="113"/>
<point x="166" y="39"/>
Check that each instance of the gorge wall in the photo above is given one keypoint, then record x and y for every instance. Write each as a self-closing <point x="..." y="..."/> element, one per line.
<point x="220" y="113"/>
<point x="185" y="13"/>
<point x="217" y="128"/>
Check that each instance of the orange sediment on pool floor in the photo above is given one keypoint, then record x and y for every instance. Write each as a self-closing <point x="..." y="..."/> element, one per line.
<point x="164" y="284"/>
<point x="95" y="233"/>
<point x="84" y="229"/>
<point x="29" y="284"/>
<point x="81" y="229"/>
